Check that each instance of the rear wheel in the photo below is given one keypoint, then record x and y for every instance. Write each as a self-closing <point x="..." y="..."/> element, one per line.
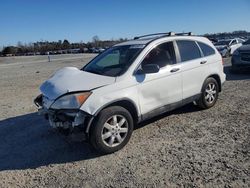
<point x="209" y="94"/>
<point x="111" y="130"/>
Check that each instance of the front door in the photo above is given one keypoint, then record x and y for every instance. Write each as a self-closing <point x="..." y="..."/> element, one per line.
<point x="158" y="91"/>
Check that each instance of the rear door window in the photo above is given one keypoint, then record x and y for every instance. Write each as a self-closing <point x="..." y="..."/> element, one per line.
<point x="188" y="50"/>
<point x="207" y="50"/>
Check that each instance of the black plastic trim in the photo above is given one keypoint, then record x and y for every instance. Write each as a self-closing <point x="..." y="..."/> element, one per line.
<point x="169" y="107"/>
<point x="106" y="105"/>
<point x="38" y="100"/>
<point x="164" y="35"/>
<point x="115" y="101"/>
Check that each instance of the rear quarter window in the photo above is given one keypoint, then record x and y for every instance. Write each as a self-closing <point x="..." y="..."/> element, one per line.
<point x="206" y="49"/>
<point x="188" y="50"/>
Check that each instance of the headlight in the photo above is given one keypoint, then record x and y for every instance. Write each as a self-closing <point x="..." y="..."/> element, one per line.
<point x="236" y="53"/>
<point x="71" y="101"/>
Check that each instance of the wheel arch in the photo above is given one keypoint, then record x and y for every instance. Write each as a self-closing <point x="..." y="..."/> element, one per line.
<point x="126" y="103"/>
<point x="217" y="78"/>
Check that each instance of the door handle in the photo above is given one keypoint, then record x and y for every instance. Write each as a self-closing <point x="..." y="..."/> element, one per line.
<point x="203" y="62"/>
<point x="175" y="70"/>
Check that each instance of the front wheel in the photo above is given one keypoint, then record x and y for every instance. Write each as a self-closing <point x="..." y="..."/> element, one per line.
<point x="111" y="130"/>
<point x="209" y="94"/>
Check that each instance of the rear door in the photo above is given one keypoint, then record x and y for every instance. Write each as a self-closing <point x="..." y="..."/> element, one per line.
<point x="194" y="68"/>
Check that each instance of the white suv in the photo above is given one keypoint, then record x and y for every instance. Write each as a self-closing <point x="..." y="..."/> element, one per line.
<point x="129" y="83"/>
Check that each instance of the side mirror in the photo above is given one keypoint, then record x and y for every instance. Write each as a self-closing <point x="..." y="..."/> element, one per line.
<point x="150" y="68"/>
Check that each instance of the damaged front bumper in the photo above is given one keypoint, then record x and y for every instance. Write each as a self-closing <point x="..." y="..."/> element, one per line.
<point x="64" y="118"/>
<point x="70" y="120"/>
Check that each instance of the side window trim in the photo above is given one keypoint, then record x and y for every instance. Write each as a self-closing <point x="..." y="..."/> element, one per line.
<point x="201" y="52"/>
<point x="154" y="46"/>
<point x="177" y="52"/>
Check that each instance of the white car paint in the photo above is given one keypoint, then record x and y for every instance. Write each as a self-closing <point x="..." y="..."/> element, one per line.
<point x="192" y="84"/>
<point x="154" y="90"/>
<point x="147" y="92"/>
<point x="70" y="79"/>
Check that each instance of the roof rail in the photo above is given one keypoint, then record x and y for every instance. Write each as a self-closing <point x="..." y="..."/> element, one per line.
<point x="155" y="34"/>
<point x="181" y="34"/>
<point x="164" y="35"/>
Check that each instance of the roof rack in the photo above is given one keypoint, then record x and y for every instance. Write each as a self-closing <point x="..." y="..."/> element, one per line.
<point x="164" y="35"/>
<point x="183" y="34"/>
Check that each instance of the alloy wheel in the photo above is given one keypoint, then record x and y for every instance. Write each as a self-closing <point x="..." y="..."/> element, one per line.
<point x="210" y="93"/>
<point x="115" y="130"/>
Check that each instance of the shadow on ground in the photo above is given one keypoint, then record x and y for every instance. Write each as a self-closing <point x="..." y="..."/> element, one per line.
<point x="27" y="141"/>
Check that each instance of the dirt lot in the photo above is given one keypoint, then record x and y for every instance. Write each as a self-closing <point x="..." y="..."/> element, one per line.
<point x="186" y="147"/>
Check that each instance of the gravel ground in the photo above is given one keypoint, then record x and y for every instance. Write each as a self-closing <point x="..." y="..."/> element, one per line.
<point x="183" y="148"/>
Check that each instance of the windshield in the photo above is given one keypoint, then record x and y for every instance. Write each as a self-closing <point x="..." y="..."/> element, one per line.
<point x="223" y="42"/>
<point x="114" y="61"/>
<point x="247" y="42"/>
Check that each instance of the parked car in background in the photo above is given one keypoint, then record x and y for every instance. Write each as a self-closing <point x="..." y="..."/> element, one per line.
<point x="228" y="46"/>
<point x="96" y="50"/>
<point x="129" y="83"/>
<point x="213" y="40"/>
<point x="241" y="57"/>
<point x="100" y="50"/>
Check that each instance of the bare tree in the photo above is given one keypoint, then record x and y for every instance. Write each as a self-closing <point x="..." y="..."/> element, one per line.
<point x="66" y="44"/>
<point x="96" y="41"/>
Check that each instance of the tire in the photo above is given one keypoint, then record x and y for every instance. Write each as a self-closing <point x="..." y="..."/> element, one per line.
<point x="106" y="136"/>
<point x="209" y="94"/>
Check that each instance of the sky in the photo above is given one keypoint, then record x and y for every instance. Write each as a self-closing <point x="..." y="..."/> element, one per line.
<point x="79" y="20"/>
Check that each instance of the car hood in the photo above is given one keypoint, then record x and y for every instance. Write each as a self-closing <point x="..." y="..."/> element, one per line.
<point x="71" y="79"/>
<point x="244" y="48"/>
<point x="220" y="47"/>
